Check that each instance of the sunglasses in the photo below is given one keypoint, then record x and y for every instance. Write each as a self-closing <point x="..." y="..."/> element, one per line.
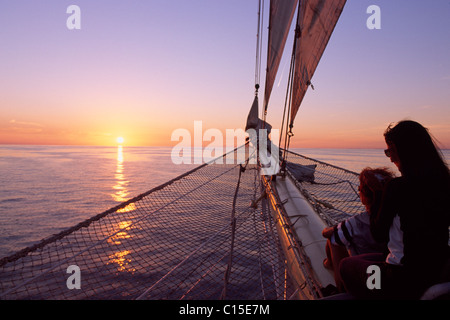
<point x="388" y="153"/>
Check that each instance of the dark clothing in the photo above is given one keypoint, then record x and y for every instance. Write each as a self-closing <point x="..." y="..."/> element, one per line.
<point x="395" y="282"/>
<point x="424" y="212"/>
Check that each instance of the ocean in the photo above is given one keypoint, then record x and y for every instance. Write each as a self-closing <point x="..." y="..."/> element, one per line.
<point x="46" y="189"/>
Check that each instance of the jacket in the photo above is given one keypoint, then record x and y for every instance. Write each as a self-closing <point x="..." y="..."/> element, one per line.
<point x="414" y="219"/>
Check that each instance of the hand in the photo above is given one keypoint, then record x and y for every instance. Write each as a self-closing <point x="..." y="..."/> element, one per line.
<point x="327" y="232"/>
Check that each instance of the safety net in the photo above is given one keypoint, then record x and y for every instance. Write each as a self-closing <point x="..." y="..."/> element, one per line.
<point x="198" y="236"/>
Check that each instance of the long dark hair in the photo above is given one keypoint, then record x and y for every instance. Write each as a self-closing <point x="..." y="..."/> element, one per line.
<point x="418" y="154"/>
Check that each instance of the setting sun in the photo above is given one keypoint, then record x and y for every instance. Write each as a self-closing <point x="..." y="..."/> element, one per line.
<point x="120" y="140"/>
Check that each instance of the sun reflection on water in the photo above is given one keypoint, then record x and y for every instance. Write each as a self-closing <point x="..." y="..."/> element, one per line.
<point x="121" y="258"/>
<point x="121" y="192"/>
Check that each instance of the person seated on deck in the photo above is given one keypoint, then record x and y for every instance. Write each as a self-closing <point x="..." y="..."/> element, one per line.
<point x="352" y="236"/>
<point x="414" y="219"/>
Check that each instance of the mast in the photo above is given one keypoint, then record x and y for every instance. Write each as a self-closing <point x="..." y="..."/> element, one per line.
<point x="280" y="20"/>
<point x="316" y="20"/>
<point x="315" y="24"/>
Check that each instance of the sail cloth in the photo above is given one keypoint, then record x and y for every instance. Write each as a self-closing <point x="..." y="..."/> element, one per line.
<point x="315" y="25"/>
<point x="259" y="136"/>
<point x="280" y="20"/>
<point x="253" y="120"/>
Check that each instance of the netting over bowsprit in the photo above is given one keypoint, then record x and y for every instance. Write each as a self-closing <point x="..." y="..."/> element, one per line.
<point x="173" y="242"/>
<point x="332" y="191"/>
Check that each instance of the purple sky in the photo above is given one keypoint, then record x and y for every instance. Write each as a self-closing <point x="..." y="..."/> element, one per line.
<point x="141" y="69"/>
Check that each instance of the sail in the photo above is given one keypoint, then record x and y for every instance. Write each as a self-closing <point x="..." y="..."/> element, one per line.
<point x="252" y="118"/>
<point x="316" y="23"/>
<point x="281" y="15"/>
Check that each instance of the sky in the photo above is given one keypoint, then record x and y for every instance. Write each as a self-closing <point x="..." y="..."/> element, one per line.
<point x="141" y="69"/>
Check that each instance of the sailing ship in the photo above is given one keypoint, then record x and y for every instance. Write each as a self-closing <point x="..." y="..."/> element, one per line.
<point x="222" y="230"/>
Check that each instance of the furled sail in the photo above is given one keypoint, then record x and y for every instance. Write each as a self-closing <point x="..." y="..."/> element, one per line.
<point x="280" y="20"/>
<point x="259" y="136"/>
<point x="253" y="120"/>
<point x="316" y="22"/>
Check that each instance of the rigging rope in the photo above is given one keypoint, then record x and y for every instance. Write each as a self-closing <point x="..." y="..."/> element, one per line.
<point x="233" y="236"/>
<point x="288" y="134"/>
<point x="259" y="45"/>
<point x="176" y="241"/>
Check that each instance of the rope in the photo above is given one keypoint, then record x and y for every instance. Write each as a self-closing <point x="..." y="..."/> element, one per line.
<point x="172" y="244"/>
<point x="233" y="229"/>
<point x="289" y="91"/>
<point x="288" y="101"/>
<point x="24" y="252"/>
<point x="109" y="236"/>
<point x="259" y="44"/>
<point x="294" y="245"/>
<point x="181" y="263"/>
<point x="233" y="235"/>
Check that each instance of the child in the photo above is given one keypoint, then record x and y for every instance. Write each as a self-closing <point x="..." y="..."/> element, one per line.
<point x="352" y="236"/>
<point x="413" y="219"/>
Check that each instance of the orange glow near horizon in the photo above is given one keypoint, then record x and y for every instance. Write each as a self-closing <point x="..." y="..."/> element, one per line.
<point x="305" y="136"/>
<point x="119" y="76"/>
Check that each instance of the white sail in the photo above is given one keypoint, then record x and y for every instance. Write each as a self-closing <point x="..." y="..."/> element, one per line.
<point x="280" y="20"/>
<point x="315" y="25"/>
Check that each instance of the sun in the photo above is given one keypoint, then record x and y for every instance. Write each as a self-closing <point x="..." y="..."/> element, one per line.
<point x="120" y="140"/>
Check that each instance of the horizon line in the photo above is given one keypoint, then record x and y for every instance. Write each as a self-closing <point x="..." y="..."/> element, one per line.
<point x="168" y="146"/>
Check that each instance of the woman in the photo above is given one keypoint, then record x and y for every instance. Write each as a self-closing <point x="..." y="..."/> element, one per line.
<point x="413" y="218"/>
<point x="352" y="236"/>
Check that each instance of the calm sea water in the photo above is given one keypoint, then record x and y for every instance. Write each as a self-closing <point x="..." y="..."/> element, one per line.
<point x="46" y="189"/>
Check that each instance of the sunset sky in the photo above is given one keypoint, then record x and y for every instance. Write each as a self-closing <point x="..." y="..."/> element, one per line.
<point x="140" y="69"/>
